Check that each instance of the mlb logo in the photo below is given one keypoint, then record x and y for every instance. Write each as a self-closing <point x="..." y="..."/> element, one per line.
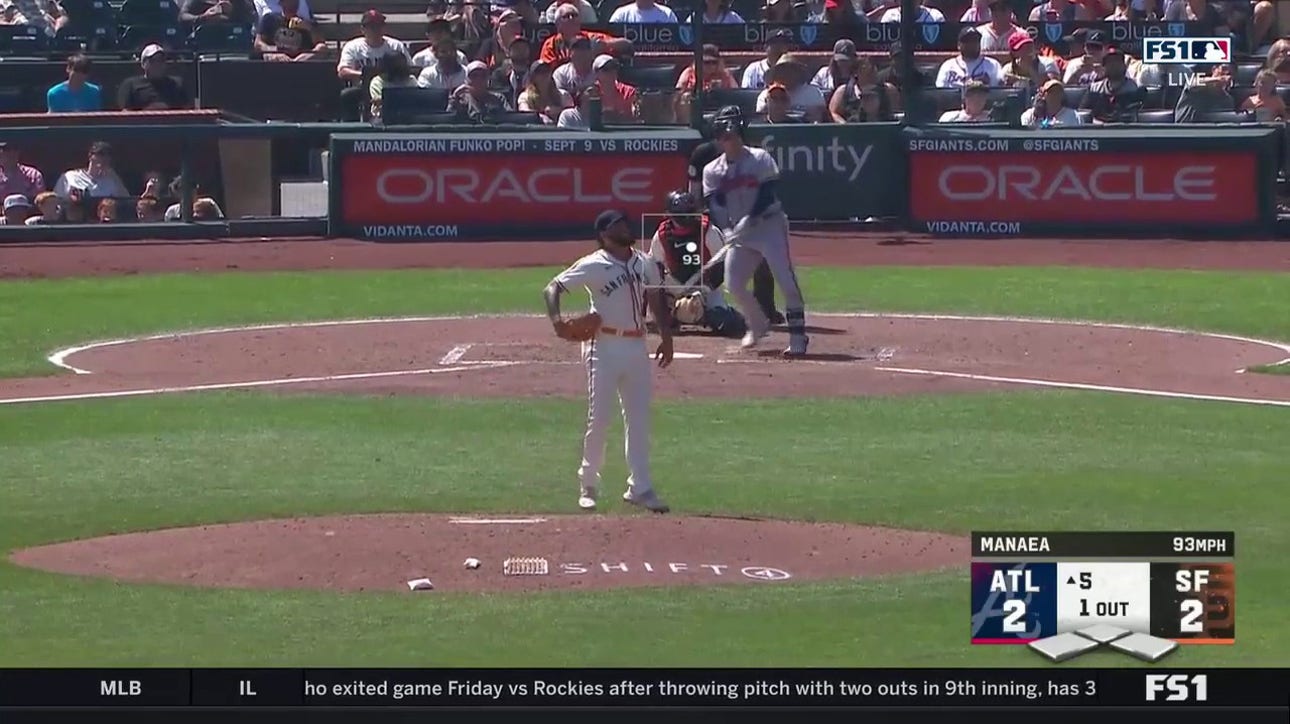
<point x="1173" y="51"/>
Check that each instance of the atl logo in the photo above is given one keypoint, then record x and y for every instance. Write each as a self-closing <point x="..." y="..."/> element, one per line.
<point x="1186" y="50"/>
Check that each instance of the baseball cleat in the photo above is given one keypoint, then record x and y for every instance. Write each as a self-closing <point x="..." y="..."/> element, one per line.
<point x="750" y="340"/>
<point x="648" y="500"/>
<point x="797" y="346"/>
<point x="587" y="501"/>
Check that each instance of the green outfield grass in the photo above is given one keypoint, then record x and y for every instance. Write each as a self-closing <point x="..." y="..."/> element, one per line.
<point x="1009" y="460"/>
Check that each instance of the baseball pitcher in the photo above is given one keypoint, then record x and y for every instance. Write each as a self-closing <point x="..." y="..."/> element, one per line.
<point x="740" y="190"/>
<point x="619" y="278"/>
<point x="689" y="251"/>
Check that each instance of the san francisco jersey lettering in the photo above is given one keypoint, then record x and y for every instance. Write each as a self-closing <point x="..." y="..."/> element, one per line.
<point x="617" y="289"/>
<point x="734" y="183"/>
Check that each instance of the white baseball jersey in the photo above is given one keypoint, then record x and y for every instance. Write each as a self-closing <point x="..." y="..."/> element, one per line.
<point x="617" y="289"/>
<point x="735" y="183"/>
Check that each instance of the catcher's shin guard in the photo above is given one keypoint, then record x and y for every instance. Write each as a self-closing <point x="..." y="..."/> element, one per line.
<point x="764" y="292"/>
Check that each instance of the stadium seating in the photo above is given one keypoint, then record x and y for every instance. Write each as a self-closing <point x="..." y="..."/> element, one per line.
<point x="169" y="36"/>
<point x="21" y="40"/>
<point x="216" y="38"/>
<point x="1158" y="116"/>
<point x="649" y="77"/>
<point x="745" y="98"/>
<point x="401" y="105"/>
<point x="1227" y="117"/>
<point x="521" y="118"/>
<point x="148" y="12"/>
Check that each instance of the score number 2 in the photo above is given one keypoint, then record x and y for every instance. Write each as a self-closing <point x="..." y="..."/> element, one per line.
<point x="1015" y="610"/>
<point x="1192" y="610"/>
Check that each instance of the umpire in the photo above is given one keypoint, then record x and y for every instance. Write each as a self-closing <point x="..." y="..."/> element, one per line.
<point x="704" y="154"/>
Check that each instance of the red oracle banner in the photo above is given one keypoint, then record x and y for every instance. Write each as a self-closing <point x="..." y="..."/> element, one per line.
<point x="512" y="193"/>
<point x="1087" y="188"/>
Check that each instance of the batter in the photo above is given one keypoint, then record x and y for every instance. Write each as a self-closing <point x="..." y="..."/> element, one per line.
<point x="739" y="187"/>
<point x="620" y="280"/>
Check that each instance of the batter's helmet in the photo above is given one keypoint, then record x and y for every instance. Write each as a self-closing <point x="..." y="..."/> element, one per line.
<point x="681" y="201"/>
<point x="730" y="119"/>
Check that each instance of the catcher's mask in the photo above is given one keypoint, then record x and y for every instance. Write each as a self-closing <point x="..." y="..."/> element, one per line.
<point x="682" y="207"/>
<point x="689" y="309"/>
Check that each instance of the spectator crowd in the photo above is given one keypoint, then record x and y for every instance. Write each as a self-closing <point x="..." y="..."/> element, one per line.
<point x="485" y="62"/>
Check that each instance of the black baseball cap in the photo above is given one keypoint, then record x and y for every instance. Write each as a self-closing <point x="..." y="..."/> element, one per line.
<point x="780" y="36"/>
<point x="372" y="17"/>
<point x="100" y="148"/>
<point x="608" y="218"/>
<point x="1095" y="37"/>
<point x="969" y="33"/>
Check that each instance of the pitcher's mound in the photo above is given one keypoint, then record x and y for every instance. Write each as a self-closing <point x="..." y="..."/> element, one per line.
<point x="385" y="552"/>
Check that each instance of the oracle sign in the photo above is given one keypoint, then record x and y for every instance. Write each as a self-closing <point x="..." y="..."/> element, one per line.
<point x="559" y="185"/>
<point x="1111" y="182"/>
<point x="1103" y="187"/>
<point x="493" y="194"/>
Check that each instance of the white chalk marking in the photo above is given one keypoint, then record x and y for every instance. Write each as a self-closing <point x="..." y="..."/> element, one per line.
<point x="59" y="357"/>
<point x="243" y="385"/>
<point x="1085" y="386"/>
<point x="455" y="354"/>
<point x="496" y="521"/>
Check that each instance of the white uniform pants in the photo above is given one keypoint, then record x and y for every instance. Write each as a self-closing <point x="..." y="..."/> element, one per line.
<point x="617" y="367"/>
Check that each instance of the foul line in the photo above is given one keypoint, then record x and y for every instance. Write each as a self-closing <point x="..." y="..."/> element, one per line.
<point x="59" y="357"/>
<point x="1085" y="386"/>
<point x="496" y="521"/>
<point x="252" y="383"/>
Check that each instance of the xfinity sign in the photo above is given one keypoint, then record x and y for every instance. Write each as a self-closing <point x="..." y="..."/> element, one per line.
<point x="1188" y="51"/>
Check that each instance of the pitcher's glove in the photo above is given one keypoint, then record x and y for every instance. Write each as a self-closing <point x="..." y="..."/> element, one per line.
<point x="578" y="329"/>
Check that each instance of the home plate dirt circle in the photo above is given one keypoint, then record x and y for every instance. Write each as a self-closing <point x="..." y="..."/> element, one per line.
<point x="386" y="552"/>
<point x="517" y="356"/>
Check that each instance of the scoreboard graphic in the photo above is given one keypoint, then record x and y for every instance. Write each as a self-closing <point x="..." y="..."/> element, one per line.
<point x="1175" y="587"/>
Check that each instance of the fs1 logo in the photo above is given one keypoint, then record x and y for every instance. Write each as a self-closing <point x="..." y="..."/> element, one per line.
<point x="1177" y="687"/>
<point x="1167" y="51"/>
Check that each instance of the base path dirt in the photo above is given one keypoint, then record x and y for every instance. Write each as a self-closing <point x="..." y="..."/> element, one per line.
<point x="385" y="552"/>
<point x="815" y="248"/>
<point x="520" y="357"/>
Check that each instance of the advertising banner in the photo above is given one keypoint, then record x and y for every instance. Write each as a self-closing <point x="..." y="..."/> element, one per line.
<point x="1018" y="183"/>
<point x="835" y="172"/>
<point x="417" y="187"/>
<point x="869" y="37"/>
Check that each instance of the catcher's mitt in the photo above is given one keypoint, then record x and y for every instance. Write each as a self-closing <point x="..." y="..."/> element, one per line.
<point x="689" y="309"/>
<point x="579" y="329"/>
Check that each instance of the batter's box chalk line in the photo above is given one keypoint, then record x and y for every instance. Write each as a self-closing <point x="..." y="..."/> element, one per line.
<point x="525" y="566"/>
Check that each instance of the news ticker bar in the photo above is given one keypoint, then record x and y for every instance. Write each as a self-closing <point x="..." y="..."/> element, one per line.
<point x="1103" y="544"/>
<point x="532" y="688"/>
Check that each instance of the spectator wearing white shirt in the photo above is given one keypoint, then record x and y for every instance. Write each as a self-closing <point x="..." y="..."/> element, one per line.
<point x="360" y="59"/>
<point x="264" y="7"/>
<point x="969" y="64"/>
<point x="976" y="96"/>
<point x="980" y="12"/>
<point x="996" y="33"/>
<point x="776" y="47"/>
<point x="96" y="180"/>
<point x="446" y="72"/>
<point x="802" y="96"/>
<point x="717" y="12"/>
<point x="840" y="69"/>
<point x="436" y="29"/>
<point x="1050" y="108"/>
<point x="925" y="15"/>
<point x="573" y="77"/>
<point x="643" y="11"/>
<point x="586" y="13"/>
<point x="578" y="118"/>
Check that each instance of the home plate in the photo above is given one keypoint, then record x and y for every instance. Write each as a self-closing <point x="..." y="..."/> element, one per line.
<point x="496" y="521"/>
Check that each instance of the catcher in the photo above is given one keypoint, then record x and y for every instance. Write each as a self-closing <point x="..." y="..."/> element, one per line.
<point x="620" y="281"/>
<point x="690" y="253"/>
